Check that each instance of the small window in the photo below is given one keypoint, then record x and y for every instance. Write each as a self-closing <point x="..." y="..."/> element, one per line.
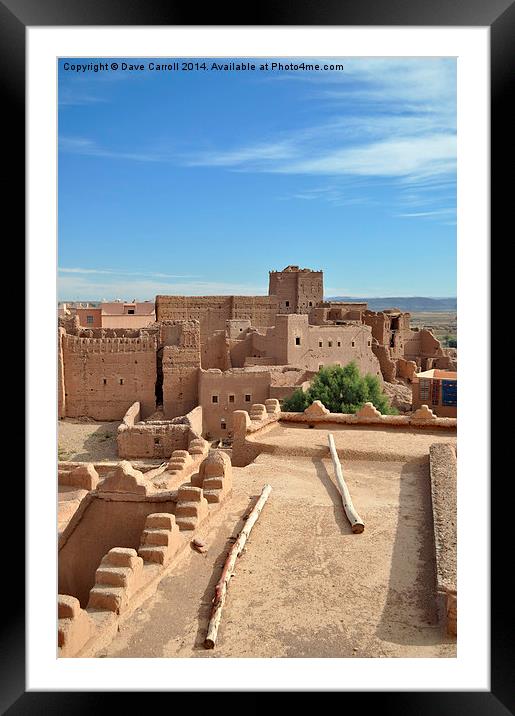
<point x="89" y="319"/>
<point x="297" y="341"/>
<point x="105" y="381"/>
<point x="320" y="344"/>
<point x="368" y="342"/>
<point x="330" y="344"/>
<point x="287" y="303"/>
<point x="222" y="424"/>
<point x="157" y="441"/>
<point x="214" y="398"/>
<point x="353" y="343"/>
<point x="131" y="311"/>
<point x="121" y="381"/>
<point x="248" y="398"/>
<point x="339" y="344"/>
<point x="311" y="303"/>
<point x="231" y="399"/>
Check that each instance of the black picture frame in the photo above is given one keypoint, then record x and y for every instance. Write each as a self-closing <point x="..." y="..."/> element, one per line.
<point x="499" y="16"/>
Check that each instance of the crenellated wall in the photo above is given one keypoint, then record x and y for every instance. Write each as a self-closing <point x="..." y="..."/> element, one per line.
<point x="104" y="376"/>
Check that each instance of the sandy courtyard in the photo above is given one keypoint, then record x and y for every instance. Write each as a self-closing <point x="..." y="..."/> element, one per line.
<point x="305" y="585"/>
<point x="86" y="440"/>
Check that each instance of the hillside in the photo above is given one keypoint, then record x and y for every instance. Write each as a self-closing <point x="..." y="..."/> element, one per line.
<point x="405" y="303"/>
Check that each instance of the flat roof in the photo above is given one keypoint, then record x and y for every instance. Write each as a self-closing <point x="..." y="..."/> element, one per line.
<point x="439" y="374"/>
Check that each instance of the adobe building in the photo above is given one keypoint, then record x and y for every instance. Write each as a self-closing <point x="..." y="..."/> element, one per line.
<point x="134" y="314"/>
<point x="111" y="314"/>
<point x="438" y="390"/>
<point x="297" y="290"/>
<point x="234" y="346"/>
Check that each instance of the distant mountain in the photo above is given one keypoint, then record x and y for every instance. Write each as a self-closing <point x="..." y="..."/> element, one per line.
<point x="406" y="303"/>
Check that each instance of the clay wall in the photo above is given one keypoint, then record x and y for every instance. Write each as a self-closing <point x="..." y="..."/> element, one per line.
<point x="236" y="328"/>
<point x="61" y="400"/>
<point x="180" y="377"/>
<point x="94" y="315"/>
<point x="234" y="389"/>
<point x="213" y="312"/>
<point x="283" y="284"/>
<point x="239" y="350"/>
<point x="127" y="321"/>
<point x="104" y="524"/>
<point x="180" y="362"/>
<point x="293" y="341"/>
<point x="104" y="376"/>
<point x="297" y="290"/>
<point x="259" y="310"/>
<point x="380" y="325"/>
<point x="215" y="352"/>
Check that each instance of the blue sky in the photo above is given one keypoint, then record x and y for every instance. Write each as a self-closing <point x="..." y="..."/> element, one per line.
<point x="201" y="182"/>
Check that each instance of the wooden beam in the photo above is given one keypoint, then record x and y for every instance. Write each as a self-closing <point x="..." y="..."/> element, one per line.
<point x="355" y="520"/>
<point x="228" y="570"/>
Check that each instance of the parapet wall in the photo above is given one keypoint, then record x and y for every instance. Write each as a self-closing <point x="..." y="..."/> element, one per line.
<point x="443" y="472"/>
<point x="248" y="428"/>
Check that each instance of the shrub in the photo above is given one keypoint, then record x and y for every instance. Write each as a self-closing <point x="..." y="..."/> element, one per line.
<point x="341" y="390"/>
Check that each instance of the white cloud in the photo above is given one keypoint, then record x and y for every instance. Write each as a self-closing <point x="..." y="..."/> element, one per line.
<point x="121" y="272"/>
<point x="399" y="157"/>
<point x="88" y="147"/>
<point x="75" y="287"/>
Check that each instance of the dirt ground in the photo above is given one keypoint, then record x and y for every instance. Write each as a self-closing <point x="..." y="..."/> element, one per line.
<point x="306" y="586"/>
<point x="86" y="440"/>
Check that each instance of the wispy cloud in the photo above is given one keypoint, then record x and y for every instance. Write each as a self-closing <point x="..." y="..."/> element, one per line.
<point x="121" y="272"/>
<point x="437" y="212"/>
<point x="83" y="287"/>
<point x="88" y="147"/>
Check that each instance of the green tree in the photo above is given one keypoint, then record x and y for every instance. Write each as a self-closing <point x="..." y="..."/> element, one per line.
<point x="341" y="390"/>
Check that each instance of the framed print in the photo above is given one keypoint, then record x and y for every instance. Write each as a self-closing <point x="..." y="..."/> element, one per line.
<point x="170" y="164"/>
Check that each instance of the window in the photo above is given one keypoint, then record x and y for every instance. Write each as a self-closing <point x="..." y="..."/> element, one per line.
<point x="449" y="392"/>
<point x="435" y="393"/>
<point x="214" y="398"/>
<point x="423" y="389"/>
<point x="311" y="303"/>
<point x="131" y="311"/>
<point x="287" y="303"/>
<point x="339" y="344"/>
<point x="222" y="424"/>
<point x="231" y="399"/>
<point x="89" y="319"/>
<point x="368" y="342"/>
<point x="157" y="441"/>
<point x="353" y="343"/>
<point x="105" y="381"/>
<point x="330" y="344"/>
<point x="297" y="341"/>
<point x="320" y="344"/>
<point x="248" y="397"/>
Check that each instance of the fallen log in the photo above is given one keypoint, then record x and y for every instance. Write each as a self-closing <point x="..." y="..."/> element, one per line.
<point x="228" y="570"/>
<point x="355" y="520"/>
